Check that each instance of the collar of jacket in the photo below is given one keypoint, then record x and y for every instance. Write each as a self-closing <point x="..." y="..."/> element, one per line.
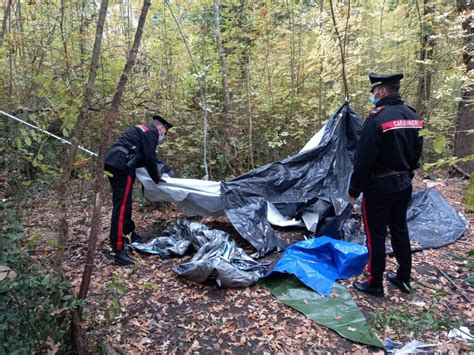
<point x="390" y="100"/>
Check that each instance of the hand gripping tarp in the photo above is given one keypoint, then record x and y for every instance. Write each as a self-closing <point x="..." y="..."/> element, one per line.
<point x="318" y="262"/>
<point x="310" y="185"/>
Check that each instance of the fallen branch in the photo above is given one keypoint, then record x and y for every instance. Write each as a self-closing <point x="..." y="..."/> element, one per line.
<point x="447" y="278"/>
<point x="461" y="171"/>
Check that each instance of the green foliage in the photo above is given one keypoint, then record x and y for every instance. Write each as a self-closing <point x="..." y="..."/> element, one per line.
<point x="468" y="198"/>
<point x="404" y="319"/>
<point x="115" y="291"/>
<point x="35" y="306"/>
<point x="466" y="262"/>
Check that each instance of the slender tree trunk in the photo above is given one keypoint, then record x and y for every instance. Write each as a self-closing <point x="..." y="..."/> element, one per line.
<point x="202" y="90"/>
<point x="464" y="143"/>
<point x="249" y="112"/>
<point x="235" y="164"/>
<point x="427" y="44"/>
<point x="321" y="64"/>
<point x="109" y="120"/>
<point x="77" y="134"/>
<point x="6" y="18"/>
<point x="63" y="36"/>
<point x="342" y="47"/>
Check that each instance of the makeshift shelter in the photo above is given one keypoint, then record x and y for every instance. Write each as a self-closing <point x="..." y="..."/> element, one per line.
<point x="308" y="189"/>
<point x="310" y="186"/>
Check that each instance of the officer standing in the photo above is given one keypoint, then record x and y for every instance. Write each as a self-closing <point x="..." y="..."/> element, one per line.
<point x="134" y="149"/>
<point x="388" y="153"/>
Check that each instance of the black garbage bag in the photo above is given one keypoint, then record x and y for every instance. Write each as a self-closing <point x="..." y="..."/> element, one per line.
<point x="221" y="260"/>
<point x="313" y="183"/>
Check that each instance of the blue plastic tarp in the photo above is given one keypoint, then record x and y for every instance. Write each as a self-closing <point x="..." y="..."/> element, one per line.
<point x="318" y="262"/>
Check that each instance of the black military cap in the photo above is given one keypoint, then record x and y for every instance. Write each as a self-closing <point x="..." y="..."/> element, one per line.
<point x="379" y="79"/>
<point x="164" y="122"/>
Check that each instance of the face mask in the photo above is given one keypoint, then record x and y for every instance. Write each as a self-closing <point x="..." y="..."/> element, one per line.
<point x="373" y="99"/>
<point x="161" y="138"/>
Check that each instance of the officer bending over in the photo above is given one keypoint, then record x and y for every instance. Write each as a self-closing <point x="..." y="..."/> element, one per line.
<point x="388" y="153"/>
<point x="136" y="148"/>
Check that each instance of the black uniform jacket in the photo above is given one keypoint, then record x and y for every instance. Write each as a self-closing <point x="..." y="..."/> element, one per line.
<point x="389" y="149"/>
<point x="145" y="140"/>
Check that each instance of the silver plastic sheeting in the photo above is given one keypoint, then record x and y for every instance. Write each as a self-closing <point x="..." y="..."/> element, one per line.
<point x="177" y="240"/>
<point x="217" y="257"/>
<point x="221" y="260"/>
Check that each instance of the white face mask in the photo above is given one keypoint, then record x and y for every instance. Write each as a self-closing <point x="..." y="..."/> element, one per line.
<point x="161" y="138"/>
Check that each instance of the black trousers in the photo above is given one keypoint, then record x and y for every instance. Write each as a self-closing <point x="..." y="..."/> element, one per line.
<point x="379" y="212"/>
<point x="122" y="223"/>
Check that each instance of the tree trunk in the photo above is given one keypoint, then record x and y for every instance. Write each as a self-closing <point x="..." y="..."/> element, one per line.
<point x="6" y="17"/>
<point x="235" y="164"/>
<point x="425" y="56"/>
<point x="105" y="137"/>
<point x="77" y="134"/>
<point x="464" y="143"/>
<point x="249" y="112"/>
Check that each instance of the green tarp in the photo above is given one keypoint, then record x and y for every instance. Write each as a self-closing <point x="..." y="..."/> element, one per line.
<point x="339" y="313"/>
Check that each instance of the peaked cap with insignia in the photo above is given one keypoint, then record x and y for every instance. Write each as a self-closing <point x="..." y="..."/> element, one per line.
<point x="380" y="79"/>
<point x="164" y="122"/>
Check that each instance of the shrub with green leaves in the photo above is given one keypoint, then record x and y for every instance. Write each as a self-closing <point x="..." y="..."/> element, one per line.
<point x="34" y="306"/>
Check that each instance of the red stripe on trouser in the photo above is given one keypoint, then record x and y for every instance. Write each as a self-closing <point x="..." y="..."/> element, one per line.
<point x="122" y="212"/>
<point x="369" y="240"/>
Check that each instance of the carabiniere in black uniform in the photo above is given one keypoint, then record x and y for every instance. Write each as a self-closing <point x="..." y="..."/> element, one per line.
<point x="388" y="153"/>
<point x="134" y="149"/>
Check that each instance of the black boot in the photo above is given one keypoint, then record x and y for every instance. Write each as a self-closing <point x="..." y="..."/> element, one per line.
<point x="366" y="288"/>
<point x="123" y="258"/>
<point x="394" y="280"/>
<point x="137" y="238"/>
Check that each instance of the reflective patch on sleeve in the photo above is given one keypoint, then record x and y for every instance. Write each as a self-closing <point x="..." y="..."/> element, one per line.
<point x="143" y="127"/>
<point x="401" y="124"/>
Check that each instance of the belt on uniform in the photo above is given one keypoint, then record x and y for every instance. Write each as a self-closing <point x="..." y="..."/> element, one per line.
<point x="386" y="173"/>
<point x="121" y="148"/>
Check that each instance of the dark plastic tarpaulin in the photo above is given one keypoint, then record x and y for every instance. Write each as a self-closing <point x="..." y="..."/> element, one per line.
<point x="315" y="180"/>
<point x="432" y="222"/>
<point x="339" y="312"/>
<point x="318" y="262"/>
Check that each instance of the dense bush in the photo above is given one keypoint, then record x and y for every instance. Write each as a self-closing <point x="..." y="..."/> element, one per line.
<point x="34" y="306"/>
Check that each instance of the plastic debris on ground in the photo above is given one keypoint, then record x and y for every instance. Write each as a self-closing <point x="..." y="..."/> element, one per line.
<point x="177" y="240"/>
<point x="461" y="333"/>
<point x="217" y="258"/>
<point x="416" y="346"/>
<point x="338" y="312"/>
<point x="222" y="260"/>
<point x="318" y="262"/>
<point x="432" y="221"/>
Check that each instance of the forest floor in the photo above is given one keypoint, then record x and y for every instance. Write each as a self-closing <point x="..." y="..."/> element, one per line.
<point x="148" y="308"/>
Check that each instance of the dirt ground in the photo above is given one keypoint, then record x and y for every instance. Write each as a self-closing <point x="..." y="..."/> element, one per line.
<point x="147" y="308"/>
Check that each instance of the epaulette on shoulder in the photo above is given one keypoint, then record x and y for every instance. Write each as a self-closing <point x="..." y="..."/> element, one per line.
<point x="411" y="108"/>
<point x="376" y="110"/>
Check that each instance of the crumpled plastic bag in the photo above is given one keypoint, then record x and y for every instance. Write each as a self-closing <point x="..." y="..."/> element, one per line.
<point x="222" y="260"/>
